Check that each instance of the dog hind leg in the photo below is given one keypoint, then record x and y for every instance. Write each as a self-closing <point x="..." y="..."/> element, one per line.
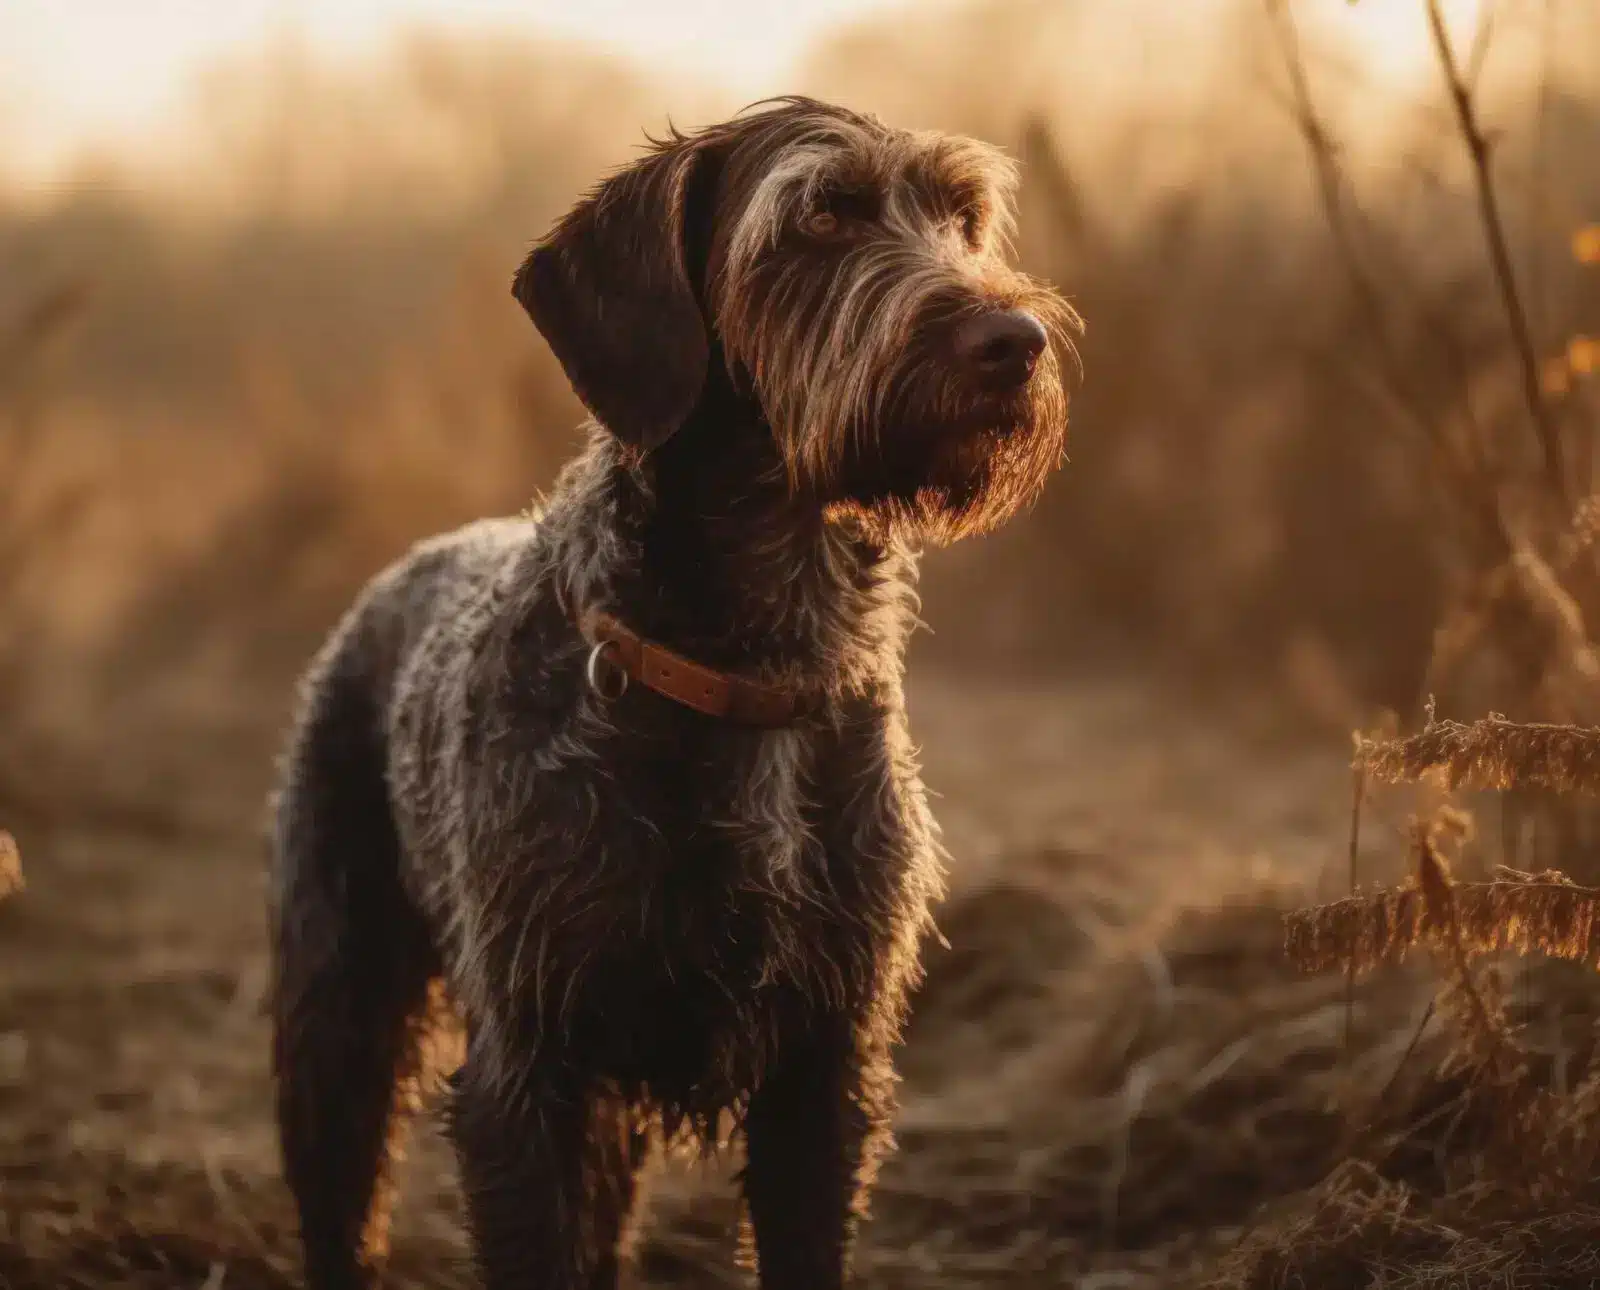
<point x="352" y="967"/>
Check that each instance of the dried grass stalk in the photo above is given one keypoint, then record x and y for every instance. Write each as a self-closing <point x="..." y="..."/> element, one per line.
<point x="1489" y="754"/>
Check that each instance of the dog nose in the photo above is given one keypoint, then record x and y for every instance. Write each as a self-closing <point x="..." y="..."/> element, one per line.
<point x="1001" y="347"/>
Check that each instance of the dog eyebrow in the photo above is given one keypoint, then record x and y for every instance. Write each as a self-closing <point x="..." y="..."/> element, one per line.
<point x="947" y="185"/>
<point x="942" y="200"/>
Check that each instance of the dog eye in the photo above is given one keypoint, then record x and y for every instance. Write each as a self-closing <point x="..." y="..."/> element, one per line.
<point x="842" y="212"/>
<point x="972" y="227"/>
<point x="821" y="224"/>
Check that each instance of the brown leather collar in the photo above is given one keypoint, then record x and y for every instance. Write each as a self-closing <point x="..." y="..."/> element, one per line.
<point x="706" y="690"/>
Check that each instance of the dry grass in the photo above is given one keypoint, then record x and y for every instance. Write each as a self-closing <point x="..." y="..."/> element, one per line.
<point x="1112" y="1095"/>
<point x="1363" y="1230"/>
<point x="1520" y="1204"/>
<point x="1515" y="1201"/>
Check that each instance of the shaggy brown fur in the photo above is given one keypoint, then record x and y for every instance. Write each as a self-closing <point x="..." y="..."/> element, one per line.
<point x="804" y="354"/>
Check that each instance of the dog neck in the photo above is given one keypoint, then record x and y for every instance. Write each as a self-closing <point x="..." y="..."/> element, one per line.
<point x="702" y="547"/>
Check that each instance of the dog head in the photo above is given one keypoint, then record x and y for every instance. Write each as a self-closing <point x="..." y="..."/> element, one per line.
<point x="851" y="280"/>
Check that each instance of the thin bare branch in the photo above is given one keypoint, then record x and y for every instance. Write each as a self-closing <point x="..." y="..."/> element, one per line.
<point x="1478" y="149"/>
<point x="1465" y="472"/>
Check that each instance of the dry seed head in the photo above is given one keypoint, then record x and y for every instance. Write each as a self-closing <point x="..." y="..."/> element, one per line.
<point x="1522" y="913"/>
<point x="1489" y="754"/>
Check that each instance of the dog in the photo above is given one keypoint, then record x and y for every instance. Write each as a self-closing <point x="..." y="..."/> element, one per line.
<point x="626" y="785"/>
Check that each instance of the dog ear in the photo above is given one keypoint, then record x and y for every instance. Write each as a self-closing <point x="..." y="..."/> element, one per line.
<point x="611" y="290"/>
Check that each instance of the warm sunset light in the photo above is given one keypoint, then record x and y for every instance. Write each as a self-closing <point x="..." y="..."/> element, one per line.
<point x="917" y="643"/>
<point x="1393" y="35"/>
<point x="90" y="72"/>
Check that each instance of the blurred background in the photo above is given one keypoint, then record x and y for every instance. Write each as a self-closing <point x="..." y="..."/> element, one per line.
<point x="1329" y="458"/>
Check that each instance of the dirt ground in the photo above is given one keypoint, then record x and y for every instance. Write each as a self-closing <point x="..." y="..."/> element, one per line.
<point x="135" y="1146"/>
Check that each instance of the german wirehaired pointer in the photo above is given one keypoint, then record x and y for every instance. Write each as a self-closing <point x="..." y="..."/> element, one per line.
<point x="627" y="785"/>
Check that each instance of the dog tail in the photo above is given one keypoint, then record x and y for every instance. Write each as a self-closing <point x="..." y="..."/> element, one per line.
<point x="353" y="971"/>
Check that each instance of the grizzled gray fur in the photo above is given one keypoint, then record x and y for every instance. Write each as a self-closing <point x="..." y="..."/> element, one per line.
<point x="805" y="356"/>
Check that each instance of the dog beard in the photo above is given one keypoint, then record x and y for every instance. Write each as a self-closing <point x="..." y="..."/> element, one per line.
<point x="938" y="477"/>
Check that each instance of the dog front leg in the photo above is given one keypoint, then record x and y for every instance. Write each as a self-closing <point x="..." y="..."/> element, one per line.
<point x="548" y="1177"/>
<point x="814" y="1132"/>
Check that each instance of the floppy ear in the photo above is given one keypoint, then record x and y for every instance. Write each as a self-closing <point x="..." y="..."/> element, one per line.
<point x="610" y="289"/>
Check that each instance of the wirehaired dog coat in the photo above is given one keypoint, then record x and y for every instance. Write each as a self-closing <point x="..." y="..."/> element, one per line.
<point x="804" y="355"/>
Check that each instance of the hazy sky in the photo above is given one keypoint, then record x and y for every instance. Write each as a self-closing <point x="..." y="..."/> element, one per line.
<point x="73" y="71"/>
<point x="82" y="69"/>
